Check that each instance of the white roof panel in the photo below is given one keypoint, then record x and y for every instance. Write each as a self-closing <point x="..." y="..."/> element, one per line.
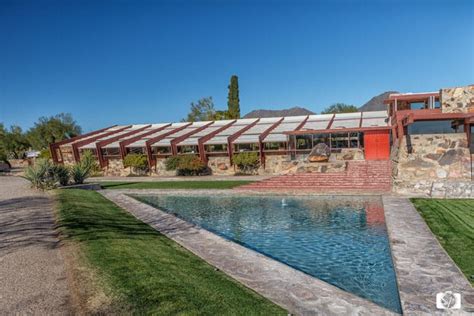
<point x="345" y="124"/>
<point x="375" y="114"/>
<point x="275" y="138"/>
<point x="246" y="139"/>
<point x="352" y="115"/>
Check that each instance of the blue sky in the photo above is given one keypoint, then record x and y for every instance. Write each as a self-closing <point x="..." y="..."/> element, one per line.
<point x="118" y="62"/>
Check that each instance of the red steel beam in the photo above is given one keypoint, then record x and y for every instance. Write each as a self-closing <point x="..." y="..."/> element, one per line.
<point x="75" y="146"/>
<point x="54" y="146"/>
<point x="124" y="143"/>
<point x="262" y="136"/>
<point x="151" y="141"/>
<point x="300" y="126"/>
<point x="104" y="162"/>
<point x="177" y="140"/>
<point x="234" y="136"/>
<point x="203" y="139"/>
<point x="331" y="121"/>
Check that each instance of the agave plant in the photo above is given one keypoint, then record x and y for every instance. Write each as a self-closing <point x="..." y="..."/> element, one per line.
<point x="83" y="169"/>
<point x="61" y="174"/>
<point x="41" y="175"/>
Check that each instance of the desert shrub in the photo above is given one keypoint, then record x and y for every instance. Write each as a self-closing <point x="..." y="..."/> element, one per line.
<point x="171" y="163"/>
<point x="137" y="162"/>
<point x="83" y="169"/>
<point x="247" y="162"/>
<point x="186" y="165"/>
<point x="45" y="154"/>
<point x="41" y="175"/>
<point x="190" y="165"/>
<point x="61" y="174"/>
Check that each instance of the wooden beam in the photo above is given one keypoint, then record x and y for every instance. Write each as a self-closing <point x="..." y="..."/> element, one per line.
<point x="202" y="140"/>
<point x="151" y="141"/>
<point x="75" y="146"/>
<point x="123" y="144"/>
<point x="177" y="140"/>
<point x="104" y="162"/>
<point x="54" y="146"/>
<point x="234" y="136"/>
<point x="331" y="121"/>
<point x="262" y="136"/>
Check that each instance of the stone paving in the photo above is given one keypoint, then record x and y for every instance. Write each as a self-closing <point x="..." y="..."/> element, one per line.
<point x="422" y="266"/>
<point x="295" y="291"/>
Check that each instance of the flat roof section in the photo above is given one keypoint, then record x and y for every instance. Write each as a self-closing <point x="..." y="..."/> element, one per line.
<point x="221" y="138"/>
<point x="116" y="144"/>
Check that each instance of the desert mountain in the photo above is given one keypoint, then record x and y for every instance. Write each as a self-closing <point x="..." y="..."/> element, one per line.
<point x="376" y="103"/>
<point x="294" y="111"/>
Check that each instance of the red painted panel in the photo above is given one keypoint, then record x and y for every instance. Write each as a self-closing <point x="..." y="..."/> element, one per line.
<point x="377" y="145"/>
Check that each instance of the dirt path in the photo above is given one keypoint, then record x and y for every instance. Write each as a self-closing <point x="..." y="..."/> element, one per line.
<point x="32" y="270"/>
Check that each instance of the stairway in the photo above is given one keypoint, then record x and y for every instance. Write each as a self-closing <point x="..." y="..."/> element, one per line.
<point x="368" y="176"/>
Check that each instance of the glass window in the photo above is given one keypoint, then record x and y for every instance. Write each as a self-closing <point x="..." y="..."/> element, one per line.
<point x="218" y="148"/>
<point x="136" y="150"/>
<point x="436" y="127"/>
<point x="304" y="142"/>
<point x="188" y="149"/>
<point x="246" y="147"/>
<point x="275" y="146"/>
<point x="354" y="140"/>
<point x="417" y="105"/>
<point x="321" y="138"/>
<point x="437" y="105"/>
<point x="339" y="140"/>
<point x="161" y="150"/>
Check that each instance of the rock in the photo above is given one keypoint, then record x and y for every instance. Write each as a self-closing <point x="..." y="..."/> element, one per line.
<point x="450" y="157"/>
<point x="319" y="153"/>
<point x="222" y="166"/>
<point x="441" y="173"/>
<point x="433" y="156"/>
<point x="417" y="163"/>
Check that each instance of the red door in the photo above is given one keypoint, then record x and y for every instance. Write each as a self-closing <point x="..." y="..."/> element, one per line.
<point x="377" y="145"/>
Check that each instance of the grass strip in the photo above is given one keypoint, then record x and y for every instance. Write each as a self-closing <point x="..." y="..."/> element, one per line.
<point x="147" y="271"/>
<point x="452" y="221"/>
<point x="175" y="184"/>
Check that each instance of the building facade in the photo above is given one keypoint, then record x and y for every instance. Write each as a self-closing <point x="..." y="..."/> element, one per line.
<point x="427" y="136"/>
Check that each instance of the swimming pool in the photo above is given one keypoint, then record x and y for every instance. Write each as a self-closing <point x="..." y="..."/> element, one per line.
<point x="341" y="240"/>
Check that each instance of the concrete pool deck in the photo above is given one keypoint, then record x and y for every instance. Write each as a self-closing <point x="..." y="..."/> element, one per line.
<point x="422" y="266"/>
<point x="295" y="291"/>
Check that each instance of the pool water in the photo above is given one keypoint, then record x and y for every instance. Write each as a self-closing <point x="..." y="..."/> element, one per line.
<point x="341" y="240"/>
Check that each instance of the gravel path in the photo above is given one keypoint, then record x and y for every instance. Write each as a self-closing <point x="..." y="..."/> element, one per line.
<point x="32" y="271"/>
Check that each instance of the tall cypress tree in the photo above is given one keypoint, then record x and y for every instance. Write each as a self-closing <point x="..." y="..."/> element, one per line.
<point x="233" y="98"/>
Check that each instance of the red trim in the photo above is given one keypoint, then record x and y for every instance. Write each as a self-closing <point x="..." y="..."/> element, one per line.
<point x="174" y="142"/>
<point x="331" y="121"/>
<point x="54" y="146"/>
<point x="75" y="146"/>
<point x="151" y="141"/>
<point x="104" y="162"/>
<point x="338" y="130"/>
<point x="124" y="143"/>
<point x="411" y="97"/>
<point x="234" y="136"/>
<point x="262" y="136"/>
<point x="203" y="139"/>
<point x="300" y="126"/>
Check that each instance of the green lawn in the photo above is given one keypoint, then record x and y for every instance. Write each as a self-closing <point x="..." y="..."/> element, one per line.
<point x="149" y="273"/>
<point x="452" y="221"/>
<point x="175" y="184"/>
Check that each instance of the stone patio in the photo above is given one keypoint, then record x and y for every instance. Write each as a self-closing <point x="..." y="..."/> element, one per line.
<point x="422" y="266"/>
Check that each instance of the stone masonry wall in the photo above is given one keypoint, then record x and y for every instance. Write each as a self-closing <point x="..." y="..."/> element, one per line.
<point x="115" y="168"/>
<point x="160" y="169"/>
<point x="457" y="100"/>
<point x="68" y="156"/>
<point x="220" y="166"/>
<point x="434" y="162"/>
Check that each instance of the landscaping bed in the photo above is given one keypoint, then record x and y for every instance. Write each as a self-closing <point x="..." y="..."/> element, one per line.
<point x="452" y="221"/>
<point x="143" y="271"/>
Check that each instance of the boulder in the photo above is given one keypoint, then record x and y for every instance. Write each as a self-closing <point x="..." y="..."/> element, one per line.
<point x="319" y="153"/>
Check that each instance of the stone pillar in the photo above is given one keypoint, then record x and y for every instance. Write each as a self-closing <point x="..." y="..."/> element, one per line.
<point x="457" y="100"/>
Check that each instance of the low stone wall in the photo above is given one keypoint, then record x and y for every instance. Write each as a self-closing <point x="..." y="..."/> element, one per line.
<point x="160" y="169"/>
<point x="435" y="165"/>
<point x="457" y="100"/>
<point x="220" y="166"/>
<point x="67" y="155"/>
<point x="115" y="168"/>
<point x="20" y="163"/>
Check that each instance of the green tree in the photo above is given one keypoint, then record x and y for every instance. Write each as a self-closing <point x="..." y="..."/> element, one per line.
<point x="233" y="98"/>
<point x="52" y="129"/>
<point x="203" y="110"/>
<point x="13" y="142"/>
<point x="340" y="108"/>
